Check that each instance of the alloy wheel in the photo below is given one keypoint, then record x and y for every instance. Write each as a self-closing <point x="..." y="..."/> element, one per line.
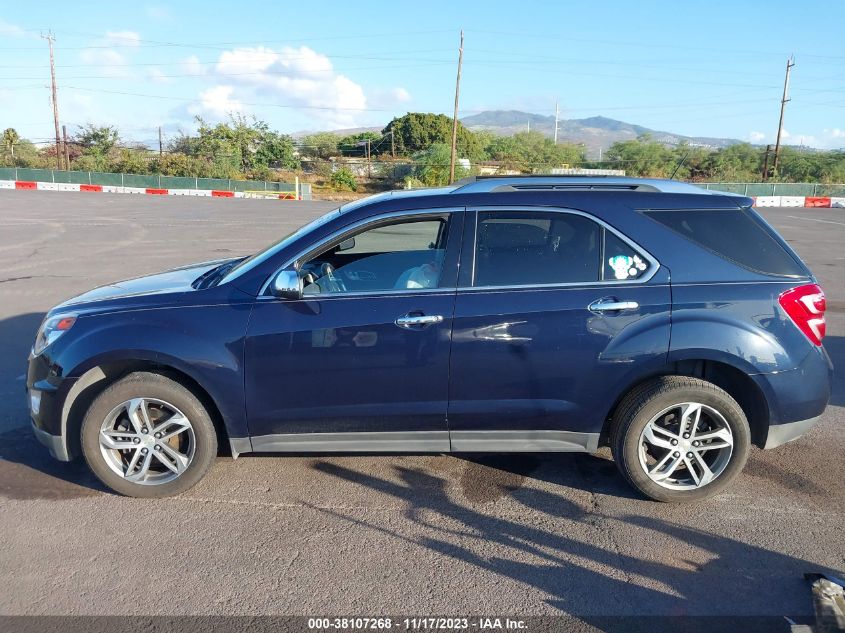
<point x="686" y="446"/>
<point x="147" y="441"/>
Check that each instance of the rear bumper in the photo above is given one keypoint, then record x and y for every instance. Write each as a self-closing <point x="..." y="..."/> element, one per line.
<point x="782" y="433"/>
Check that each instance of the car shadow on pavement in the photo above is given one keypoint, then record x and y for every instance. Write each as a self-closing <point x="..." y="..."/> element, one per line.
<point x="593" y="576"/>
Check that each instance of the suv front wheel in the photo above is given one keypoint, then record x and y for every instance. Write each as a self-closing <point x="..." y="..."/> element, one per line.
<point x="679" y="439"/>
<point x="148" y="436"/>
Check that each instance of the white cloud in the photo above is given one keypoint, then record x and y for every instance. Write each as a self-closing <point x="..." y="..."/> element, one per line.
<point x="216" y="102"/>
<point x="157" y="12"/>
<point x="158" y="77"/>
<point x="835" y="133"/>
<point x="109" y="62"/>
<point x="7" y="29"/>
<point x="191" y="66"/>
<point x="296" y="76"/>
<point x="123" y="38"/>
<point x="756" y="137"/>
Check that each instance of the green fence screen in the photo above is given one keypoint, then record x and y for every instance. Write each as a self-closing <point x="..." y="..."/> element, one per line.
<point x="149" y="181"/>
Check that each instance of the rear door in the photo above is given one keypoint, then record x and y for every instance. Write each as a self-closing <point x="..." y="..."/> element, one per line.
<point x="555" y="311"/>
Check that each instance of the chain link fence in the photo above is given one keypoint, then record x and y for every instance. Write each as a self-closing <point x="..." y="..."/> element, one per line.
<point x="149" y="181"/>
<point x="776" y="188"/>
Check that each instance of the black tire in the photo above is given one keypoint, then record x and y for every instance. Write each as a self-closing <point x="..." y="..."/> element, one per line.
<point x="157" y="386"/>
<point x="644" y="403"/>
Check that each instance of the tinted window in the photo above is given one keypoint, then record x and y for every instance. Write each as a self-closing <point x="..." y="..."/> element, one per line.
<point x="527" y="248"/>
<point x="402" y="255"/>
<point x="733" y="234"/>
<point x="621" y="260"/>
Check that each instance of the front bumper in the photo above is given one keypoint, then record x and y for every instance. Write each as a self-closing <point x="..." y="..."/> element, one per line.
<point x="55" y="443"/>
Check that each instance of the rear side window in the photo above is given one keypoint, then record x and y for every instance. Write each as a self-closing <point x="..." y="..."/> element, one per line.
<point x="526" y="248"/>
<point x="733" y="234"/>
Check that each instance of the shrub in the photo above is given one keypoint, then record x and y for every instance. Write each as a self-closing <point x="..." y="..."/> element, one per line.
<point x="343" y="180"/>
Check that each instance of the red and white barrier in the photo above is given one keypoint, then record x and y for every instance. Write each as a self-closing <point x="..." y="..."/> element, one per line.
<point x="60" y="186"/>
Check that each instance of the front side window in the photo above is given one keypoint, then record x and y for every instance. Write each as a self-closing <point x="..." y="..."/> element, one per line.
<point x="518" y="248"/>
<point x="402" y="255"/>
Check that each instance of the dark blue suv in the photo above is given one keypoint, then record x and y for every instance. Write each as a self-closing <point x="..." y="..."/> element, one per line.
<point x="500" y="314"/>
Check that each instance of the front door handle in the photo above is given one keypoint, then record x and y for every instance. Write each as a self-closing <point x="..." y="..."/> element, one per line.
<point x="607" y="305"/>
<point x="418" y="321"/>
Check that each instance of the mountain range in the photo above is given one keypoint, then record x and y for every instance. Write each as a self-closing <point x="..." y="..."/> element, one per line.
<point x="597" y="133"/>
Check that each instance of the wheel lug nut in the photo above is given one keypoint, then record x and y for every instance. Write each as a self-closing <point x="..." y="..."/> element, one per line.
<point x="689" y="455"/>
<point x="143" y="451"/>
<point x="686" y="436"/>
<point x="137" y="440"/>
<point x="674" y="442"/>
<point x="158" y="448"/>
<point x="158" y="436"/>
<point x="676" y="454"/>
<point x="696" y="443"/>
<point x="144" y="430"/>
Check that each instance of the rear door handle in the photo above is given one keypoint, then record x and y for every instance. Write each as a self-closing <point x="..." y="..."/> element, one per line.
<point x="605" y="305"/>
<point x="418" y="321"/>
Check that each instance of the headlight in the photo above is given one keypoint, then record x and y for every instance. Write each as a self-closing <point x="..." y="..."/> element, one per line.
<point x="50" y="330"/>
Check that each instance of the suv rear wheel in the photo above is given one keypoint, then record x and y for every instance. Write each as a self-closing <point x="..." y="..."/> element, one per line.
<point x="148" y="436"/>
<point x="679" y="439"/>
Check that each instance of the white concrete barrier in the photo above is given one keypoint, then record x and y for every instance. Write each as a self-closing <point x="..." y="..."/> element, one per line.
<point x="837" y="202"/>
<point x="67" y="186"/>
<point x="768" y="201"/>
<point x="47" y="186"/>
<point x="7" y="184"/>
<point x="792" y="201"/>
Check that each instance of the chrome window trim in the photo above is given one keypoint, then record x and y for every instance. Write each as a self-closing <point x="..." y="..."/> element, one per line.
<point x="654" y="264"/>
<point x="350" y="228"/>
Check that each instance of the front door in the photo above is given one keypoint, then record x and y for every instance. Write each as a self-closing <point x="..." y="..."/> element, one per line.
<point x="557" y="311"/>
<point x="360" y="362"/>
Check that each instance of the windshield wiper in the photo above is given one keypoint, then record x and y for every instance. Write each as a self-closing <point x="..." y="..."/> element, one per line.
<point x="211" y="277"/>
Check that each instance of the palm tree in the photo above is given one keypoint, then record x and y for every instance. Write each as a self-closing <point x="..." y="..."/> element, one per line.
<point x="10" y="139"/>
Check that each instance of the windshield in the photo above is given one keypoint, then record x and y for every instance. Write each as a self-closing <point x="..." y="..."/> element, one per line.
<point x="251" y="262"/>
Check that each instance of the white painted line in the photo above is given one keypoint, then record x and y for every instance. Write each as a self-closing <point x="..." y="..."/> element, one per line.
<point x="817" y="220"/>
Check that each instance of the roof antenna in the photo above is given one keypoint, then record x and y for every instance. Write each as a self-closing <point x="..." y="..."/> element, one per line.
<point x="680" y="164"/>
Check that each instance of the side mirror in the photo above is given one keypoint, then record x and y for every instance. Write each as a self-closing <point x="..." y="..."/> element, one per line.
<point x="287" y="285"/>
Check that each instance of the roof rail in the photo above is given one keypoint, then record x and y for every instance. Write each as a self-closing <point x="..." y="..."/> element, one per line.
<point x="488" y="184"/>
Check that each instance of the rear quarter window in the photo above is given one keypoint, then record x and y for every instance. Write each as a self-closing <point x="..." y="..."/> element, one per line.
<point x="733" y="234"/>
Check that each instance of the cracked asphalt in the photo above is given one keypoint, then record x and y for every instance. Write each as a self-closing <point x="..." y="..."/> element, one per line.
<point x="381" y="534"/>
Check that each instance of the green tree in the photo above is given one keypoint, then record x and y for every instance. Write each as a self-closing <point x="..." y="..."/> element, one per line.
<point x="641" y="157"/>
<point x="356" y="144"/>
<point x="97" y="139"/>
<point x="737" y="163"/>
<point x="322" y="145"/>
<point x="533" y="152"/>
<point x="432" y="166"/>
<point x="10" y="140"/>
<point x="417" y="131"/>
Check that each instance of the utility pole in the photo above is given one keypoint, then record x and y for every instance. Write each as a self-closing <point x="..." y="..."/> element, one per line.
<point x="160" y="145"/>
<point x="789" y="64"/>
<point x="369" y="154"/>
<point x="392" y="145"/>
<point x="557" y="118"/>
<point x="64" y="142"/>
<point x="766" y="163"/>
<point x="50" y="39"/>
<point x="455" y="119"/>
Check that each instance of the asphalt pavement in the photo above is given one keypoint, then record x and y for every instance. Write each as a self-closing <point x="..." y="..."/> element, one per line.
<point x="381" y="534"/>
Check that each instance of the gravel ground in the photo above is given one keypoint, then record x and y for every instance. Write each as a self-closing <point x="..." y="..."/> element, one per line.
<point x="434" y="534"/>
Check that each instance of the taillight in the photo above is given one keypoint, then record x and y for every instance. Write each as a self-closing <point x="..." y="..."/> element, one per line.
<point x="805" y="305"/>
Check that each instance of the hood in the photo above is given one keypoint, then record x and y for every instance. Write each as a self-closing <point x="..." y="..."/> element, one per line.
<point x="175" y="280"/>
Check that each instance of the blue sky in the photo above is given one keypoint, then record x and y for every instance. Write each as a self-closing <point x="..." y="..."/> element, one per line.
<point x="713" y="68"/>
